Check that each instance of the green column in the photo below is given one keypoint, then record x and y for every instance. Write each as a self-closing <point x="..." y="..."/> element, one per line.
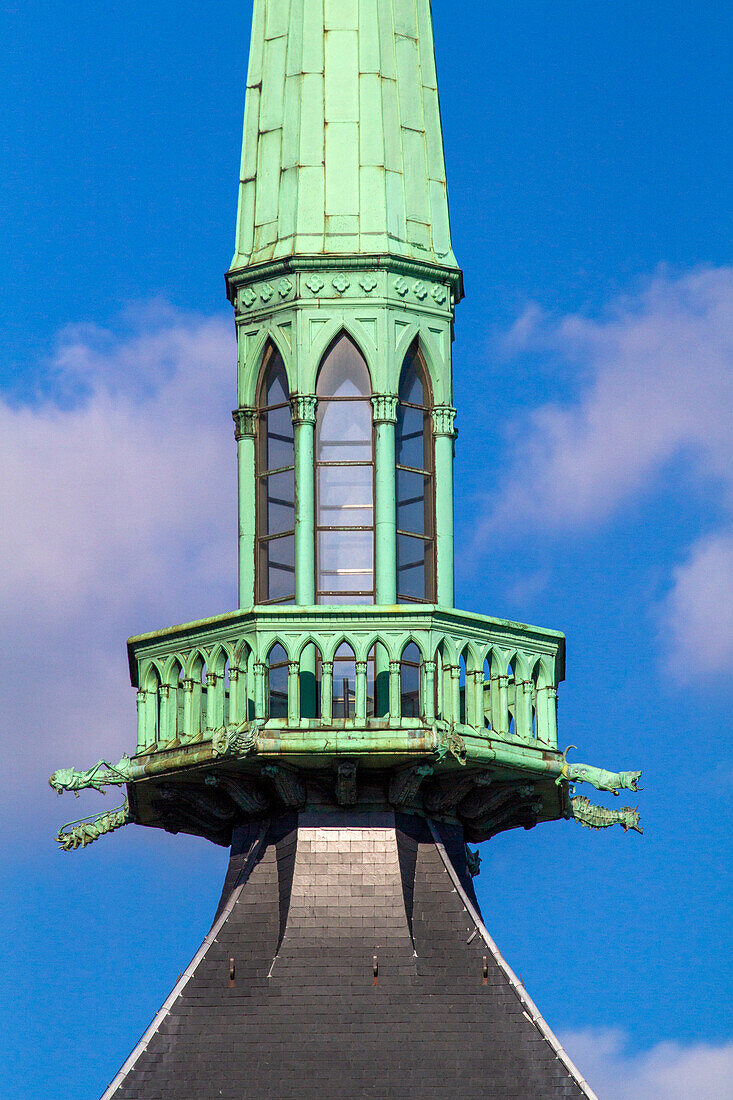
<point x="385" y="507"/>
<point x="304" y="422"/>
<point x="444" y="433"/>
<point x="326" y="691"/>
<point x="428" y="700"/>
<point x="360" y="692"/>
<point x="245" y="425"/>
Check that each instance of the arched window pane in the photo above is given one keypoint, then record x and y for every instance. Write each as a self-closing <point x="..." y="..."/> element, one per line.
<point x="414" y="483"/>
<point x="343" y="372"/>
<point x="275" y="484"/>
<point x="344" y="478"/>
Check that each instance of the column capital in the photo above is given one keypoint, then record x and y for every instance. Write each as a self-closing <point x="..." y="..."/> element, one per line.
<point x="444" y="421"/>
<point x="360" y="667"/>
<point x="303" y="406"/>
<point x="245" y="422"/>
<point x="385" y="408"/>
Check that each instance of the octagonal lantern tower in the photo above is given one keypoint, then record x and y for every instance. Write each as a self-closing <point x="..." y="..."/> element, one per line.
<point x="346" y="727"/>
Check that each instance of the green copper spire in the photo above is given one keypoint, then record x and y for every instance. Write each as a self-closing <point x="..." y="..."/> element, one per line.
<point x="346" y="675"/>
<point x="343" y="149"/>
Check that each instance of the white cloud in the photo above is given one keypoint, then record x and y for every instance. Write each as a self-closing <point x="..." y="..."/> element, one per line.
<point x="698" y="612"/>
<point x="655" y="382"/>
<point x="120" y="492"/>
<point x="668" y="1071"/>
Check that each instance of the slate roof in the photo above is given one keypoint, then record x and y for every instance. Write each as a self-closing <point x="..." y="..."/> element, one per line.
<point x="343" y="147"/>
<point x="282" y="999"/>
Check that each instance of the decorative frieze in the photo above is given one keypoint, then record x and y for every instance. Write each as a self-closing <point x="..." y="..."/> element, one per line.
<point x="336" y="285"/>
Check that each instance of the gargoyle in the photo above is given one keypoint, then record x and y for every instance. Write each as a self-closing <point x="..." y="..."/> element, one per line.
<point x="77" y="834"/>
<point x="598" y="817"/>
<point x="101" y="775"/>
<point x="598" y="777"/>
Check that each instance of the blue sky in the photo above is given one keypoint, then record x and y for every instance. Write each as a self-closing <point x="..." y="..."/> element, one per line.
<point x="589" y="170"/>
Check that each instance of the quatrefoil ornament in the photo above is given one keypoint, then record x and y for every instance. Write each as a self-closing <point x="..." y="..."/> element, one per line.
<point x="314" y="283"/>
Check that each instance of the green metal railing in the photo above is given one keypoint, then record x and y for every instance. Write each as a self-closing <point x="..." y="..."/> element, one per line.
<point x="490" y="676"/>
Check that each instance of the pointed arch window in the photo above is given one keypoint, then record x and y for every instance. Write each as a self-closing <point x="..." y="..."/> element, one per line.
<point x="275" y="484"/>
<point x="415" y="484"/>
<point x="344" y="478"/>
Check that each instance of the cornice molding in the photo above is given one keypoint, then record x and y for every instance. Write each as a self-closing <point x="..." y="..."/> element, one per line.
<point x="434" y="273"/>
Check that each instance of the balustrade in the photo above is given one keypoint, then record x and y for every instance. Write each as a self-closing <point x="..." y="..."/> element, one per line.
<point x="196" y="679"/>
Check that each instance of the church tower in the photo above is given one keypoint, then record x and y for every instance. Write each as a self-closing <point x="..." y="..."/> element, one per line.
<point x="346" y="729"/>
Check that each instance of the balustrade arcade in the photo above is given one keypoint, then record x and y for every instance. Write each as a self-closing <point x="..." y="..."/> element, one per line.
<point x="495" y="678"/>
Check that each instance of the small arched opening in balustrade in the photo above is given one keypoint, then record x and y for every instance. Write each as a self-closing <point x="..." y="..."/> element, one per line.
<point x="498" y="667"/>
<point x="275" y="469"/>
<point x="410" y="681"/>
<point x="171" y="705"/>
<point x="277" y="682"/>
<point x="310" y="675"/>
<point x="378" y="681"/>
<point x="511" y="690"/>
<point x="241" y="686"/>
<point x="195" y="718"/>
<point x="545" y="705"/>
<point x="486" y="694"/>
<point x="343" y="700"/>
<point x="448" y="691"/>
<point x="226" y="693"/>
<point x="149" y="718"/>
<point x="463" y="680"/>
